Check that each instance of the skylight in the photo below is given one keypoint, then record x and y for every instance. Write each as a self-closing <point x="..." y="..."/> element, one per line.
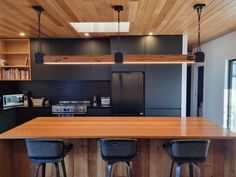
<point x="100" y="27"/>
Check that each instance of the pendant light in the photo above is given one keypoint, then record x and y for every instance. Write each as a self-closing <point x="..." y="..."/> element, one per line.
<point x="118" y="54"/>
<point x="39" y="55"/>
<point x="199" y="55"/>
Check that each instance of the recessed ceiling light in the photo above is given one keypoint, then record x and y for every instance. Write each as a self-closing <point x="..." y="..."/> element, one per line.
<point x="22" y="34"/>
<point x="100" y="27"/>
<point x="150" y="34"/>
<point x="86" y="34"/>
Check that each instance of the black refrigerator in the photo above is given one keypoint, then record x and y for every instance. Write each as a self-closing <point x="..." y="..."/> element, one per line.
<point x="127" y="93"/>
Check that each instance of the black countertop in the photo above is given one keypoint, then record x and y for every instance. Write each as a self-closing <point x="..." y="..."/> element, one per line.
<point x="46" y="106"/>
<point x="22" y="107"/>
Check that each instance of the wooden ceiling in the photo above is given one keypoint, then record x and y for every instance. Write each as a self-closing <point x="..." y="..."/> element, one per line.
<point x="162" y="17"/>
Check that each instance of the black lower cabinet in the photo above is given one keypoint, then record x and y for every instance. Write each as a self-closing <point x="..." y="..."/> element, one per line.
<point x="26" y="114"/>
<point x="98" y="112"/>
<point x="8" y="120"/>
<point x="163" y="112"/>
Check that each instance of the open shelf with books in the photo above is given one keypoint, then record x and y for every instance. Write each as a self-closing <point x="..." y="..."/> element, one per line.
<point x="15" y="61"/>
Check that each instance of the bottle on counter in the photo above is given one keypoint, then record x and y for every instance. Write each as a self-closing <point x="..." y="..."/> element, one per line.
<point x="95" y="104"/>
<point x="25" y="100"/>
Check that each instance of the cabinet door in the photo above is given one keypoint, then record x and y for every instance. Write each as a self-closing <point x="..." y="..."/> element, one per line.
<point x="26" y="114"/>
<point x="129" y="45"/>
<point x="61" y="72"/>
<point x="100" y="72"/>
<point x="162" y="89"/>
<point x="4" y="122"/>
<point x="99" y="112"/>
<point x="100" y="46"/>
<point x="164" y="44"/>
<point x="7" y="120"/>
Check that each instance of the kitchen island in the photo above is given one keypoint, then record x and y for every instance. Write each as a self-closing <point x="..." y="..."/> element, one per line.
<point x="151" y="132"/>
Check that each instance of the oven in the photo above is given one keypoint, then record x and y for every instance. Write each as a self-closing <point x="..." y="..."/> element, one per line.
<point x="70" y="108"/>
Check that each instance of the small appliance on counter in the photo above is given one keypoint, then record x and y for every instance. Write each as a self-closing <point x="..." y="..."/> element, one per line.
<point x="105" y="101"/>
<point x="70" y="108"/>
<point x="13" y="100"/>
<point x="37" y="101"/>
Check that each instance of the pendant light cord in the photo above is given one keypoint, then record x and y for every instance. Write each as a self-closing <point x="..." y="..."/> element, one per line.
<point x="118" y="30"/>
<point x="199" y="11"/>
<point x="39" y="31"/>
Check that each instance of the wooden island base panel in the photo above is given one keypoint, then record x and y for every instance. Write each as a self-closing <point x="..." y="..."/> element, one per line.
<point x="85" y="159"/>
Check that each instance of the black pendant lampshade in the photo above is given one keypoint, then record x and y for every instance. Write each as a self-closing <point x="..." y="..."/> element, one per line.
<point x="199" y="55"/>
<point x="118" y="55"/>
<point x="38" y="56"/>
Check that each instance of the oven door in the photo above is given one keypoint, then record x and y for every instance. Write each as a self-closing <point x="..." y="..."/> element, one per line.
<point x="68" y="114"/>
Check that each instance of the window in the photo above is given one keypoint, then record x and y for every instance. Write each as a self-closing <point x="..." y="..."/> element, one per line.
<point x="231" y="108"/>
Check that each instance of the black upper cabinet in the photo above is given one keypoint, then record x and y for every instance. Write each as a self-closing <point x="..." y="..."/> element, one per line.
<point x="163" y="86"/>
<point x="66" y="46"/>
<point x="164" y="44"/>
<point x="129" y="45"/>
<point x="100" y="47"/>
<point x="71" y="47"/>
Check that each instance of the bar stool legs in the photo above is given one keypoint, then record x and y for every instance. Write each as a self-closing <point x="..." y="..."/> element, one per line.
<point x="37" y="167"/>
<point x="57" y="169"/>
<point x="63" y="168"/>
<point x="191" y="170"/>
<point x="171" y="169"/>
<point x="109" y="169"/>
<point x="43" y="169"/>
<point x="178" y="169"/>
<point x="128" y="169"/>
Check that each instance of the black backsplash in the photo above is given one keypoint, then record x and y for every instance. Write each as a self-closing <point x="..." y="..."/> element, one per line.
<point x="59" y="90"/>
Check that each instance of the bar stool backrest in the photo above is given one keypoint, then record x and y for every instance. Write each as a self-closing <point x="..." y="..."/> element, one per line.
<point x="45" y="149"/>
<point x="189" y="150"/>
<point x="118" y="149"/>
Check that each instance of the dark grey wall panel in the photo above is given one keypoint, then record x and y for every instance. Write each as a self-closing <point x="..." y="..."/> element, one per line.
<point x="65" y="46"/>
<point x="127" y="67"/>
<point x="62" y="90"/>
<point x="164" y="44"/>
<point x="163" y="86"/>
<point x="100" y="72"/>
<point x="100" y="47"/>
<point x="129" y="45"/>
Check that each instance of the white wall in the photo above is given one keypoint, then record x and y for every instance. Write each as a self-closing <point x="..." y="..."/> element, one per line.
<point x="216" y="53"/>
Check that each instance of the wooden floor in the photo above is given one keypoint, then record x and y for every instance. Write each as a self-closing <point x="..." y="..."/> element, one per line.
<point x="85" y="160"/>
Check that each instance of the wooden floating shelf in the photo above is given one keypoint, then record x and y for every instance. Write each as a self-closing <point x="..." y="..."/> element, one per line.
<point x="19" y="66"/>
<point x="109" y="59"/>
<point x="15" y="80"/>
<point x="14" y="53"/>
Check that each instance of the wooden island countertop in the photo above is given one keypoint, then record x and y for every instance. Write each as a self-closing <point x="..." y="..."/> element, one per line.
<point x="119" y="127"/>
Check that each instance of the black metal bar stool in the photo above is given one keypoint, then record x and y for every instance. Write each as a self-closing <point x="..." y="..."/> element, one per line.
<point x="47" y="151"/>
<point x="187" y="151"/>
<point x="118" y="150"/>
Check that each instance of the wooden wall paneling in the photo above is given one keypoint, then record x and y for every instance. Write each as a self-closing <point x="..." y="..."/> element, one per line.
<point x="6" y="158"/>
<point x="85" y="160"/>
<point x="141" y="165"/>
<point x="159" y="161"/>
<point x="230" y="159"/>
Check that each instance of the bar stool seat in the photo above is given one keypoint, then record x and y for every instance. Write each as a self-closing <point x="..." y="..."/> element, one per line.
<point x="118" y="150"/>
<point x="42" y="151"/>
<point x="192" y="152"/>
